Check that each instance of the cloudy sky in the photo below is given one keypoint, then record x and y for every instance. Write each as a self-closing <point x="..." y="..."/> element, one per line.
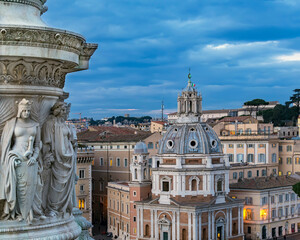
<point x="237" y="50"/>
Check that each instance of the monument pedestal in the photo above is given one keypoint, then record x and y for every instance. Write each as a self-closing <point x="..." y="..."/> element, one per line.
<point x="47" y="229"/>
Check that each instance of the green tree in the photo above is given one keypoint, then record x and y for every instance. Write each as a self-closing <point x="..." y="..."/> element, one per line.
<point x="255" y="104"/>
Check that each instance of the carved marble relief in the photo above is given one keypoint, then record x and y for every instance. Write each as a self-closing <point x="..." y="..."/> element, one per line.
<point x="37" y="166"/>
<point x="43" y="73"/>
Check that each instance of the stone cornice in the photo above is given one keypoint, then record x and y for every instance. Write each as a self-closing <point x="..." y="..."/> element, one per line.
<point x="42" y="37"/>
<point x="36" y="3"/>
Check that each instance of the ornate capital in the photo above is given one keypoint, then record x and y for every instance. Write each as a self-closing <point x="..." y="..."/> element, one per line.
<point x="33" y="72"/>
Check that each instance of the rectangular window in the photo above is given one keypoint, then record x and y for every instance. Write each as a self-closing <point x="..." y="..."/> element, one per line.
<point x="230" y="145"/>
<point x="280" y="198"/>
<point x="81" y="173"/>
<point x="230" y="157"/>
<point x="292" y="210"/>
<point x="264" y="172"/>
<point x="289" y="148"/>
<point x="273" y="213"/>
<point x="250" y="145"/>
<point x="101" y="186"/>
<point x="134" y="219"/>
<point x="118" y="146"/>
<point x="262" y="145"/>
<point x="250" y="157"/>
<point x="274" y="145"/>
<point x="234" y="175"/>
<point x="240" y="145"/>
<point x="165" y="186"/>
<point x="280" y="212"/>
<point x="241" y="174"/>
<point x="249" y="230"/>
<point x="288" y="160"/>
<point x="293" y="196"/>
<point x="262" y="158"/>
<point x="287" y="197"/>
<point x="280" y="160"/>
<point x="264" y="200"/>
<point x="257" y="173"/>
<point x="81" y="203"/>
<point x="101" y="161"/>
<point x="81" y="187"/>
<point x="297" y="160"/>
<point x="280" y="148"/>
<point x="240" y="157"/>
<point x="286" y="212"/>
<point x="272" y="199"/>
<point x="274" y="158"/>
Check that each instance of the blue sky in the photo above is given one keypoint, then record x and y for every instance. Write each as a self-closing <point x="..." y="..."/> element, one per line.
<point x="237" y="50"/>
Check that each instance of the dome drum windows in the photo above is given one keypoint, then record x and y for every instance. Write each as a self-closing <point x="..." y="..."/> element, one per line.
<point x="194" y="184"/>
<point x="193" y="144"/>
<point x="170" y="144"/>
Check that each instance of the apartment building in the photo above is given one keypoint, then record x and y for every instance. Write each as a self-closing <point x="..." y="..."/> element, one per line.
<point x="118" y="209"/>
<point x="289" y="156"/>
<point x="83" y="188"/>
<point x="157" y="126"/>
<point x="271" y="207"/>
<point x="113" y="148"/>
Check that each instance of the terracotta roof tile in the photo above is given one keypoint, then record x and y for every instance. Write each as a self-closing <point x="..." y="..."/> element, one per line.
<point x="261" y="183"/>
<point x="112" y="134"/>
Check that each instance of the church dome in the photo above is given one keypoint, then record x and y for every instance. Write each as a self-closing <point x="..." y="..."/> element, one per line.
<point x="140" y="148"/>
<point x="190" y="138"/>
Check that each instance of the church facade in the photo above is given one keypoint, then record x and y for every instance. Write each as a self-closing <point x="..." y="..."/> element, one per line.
<point x="186" y="196"/>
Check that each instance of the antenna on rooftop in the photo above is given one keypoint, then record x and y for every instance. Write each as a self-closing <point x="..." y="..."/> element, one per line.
<point x="162" y="110"/>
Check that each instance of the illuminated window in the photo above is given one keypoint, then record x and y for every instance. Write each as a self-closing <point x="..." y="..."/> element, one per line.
<point x="248" y="214"/>
<point x="230" y="146"/>
<point x="81" y="203"/>
<point x="240" y="145"/>
<point x="110" y="161"/>
<point x="297" y="160"/>
<point x="264" y="213"/>
<point x="280" y="160"/>
<point x="280" y="173"/>
<point x="288" y="173"/>
<point x="262" y="145"/>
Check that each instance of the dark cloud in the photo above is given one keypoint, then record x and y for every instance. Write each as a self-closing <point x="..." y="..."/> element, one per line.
<point x="237" y="50"/>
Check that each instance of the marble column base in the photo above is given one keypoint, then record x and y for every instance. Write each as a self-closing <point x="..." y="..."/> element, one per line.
<point x="49" y="229"/>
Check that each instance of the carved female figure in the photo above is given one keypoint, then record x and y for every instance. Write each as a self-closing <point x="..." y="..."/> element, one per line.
<point x="20" y="147"/>
<point x="59" y="155"/>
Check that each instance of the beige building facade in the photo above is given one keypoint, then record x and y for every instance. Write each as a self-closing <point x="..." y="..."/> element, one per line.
<point x="113" y="149"/>
<point x="271" y="206"/>
<point x="83" y="188"/>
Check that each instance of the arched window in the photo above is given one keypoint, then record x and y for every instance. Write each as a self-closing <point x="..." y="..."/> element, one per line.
<point x="183" y="234"/>
<point x="234" y="175"/>
<point x="249" y="174"/>
<point x="147" y="230"/>
<point x="194" y="185"/>
<point x="191" y="106"/>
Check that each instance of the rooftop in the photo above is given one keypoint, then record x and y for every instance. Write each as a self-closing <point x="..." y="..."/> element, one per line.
<point x="112" y="134"/>
<point x="262" y="183"/>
